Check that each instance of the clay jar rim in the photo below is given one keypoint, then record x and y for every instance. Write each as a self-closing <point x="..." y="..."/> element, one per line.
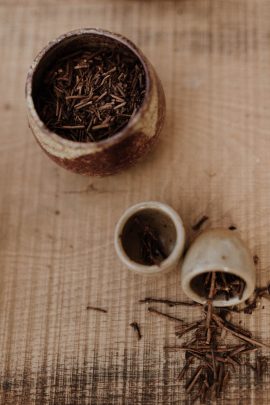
<point x="174" y="257"/>
<point x="118" y="136"/>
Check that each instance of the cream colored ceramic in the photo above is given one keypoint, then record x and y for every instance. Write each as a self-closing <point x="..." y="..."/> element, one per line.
<point x="217" y="250"/>
<point x="122" y="149"/>
<point x="170" y="229"/>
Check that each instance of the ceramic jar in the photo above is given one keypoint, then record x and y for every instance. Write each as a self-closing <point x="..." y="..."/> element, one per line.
<point x="122" y="149"/>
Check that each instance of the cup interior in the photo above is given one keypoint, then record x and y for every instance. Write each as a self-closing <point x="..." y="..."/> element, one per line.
<point x="197" y="285"/>
<point x="134" y="237"/>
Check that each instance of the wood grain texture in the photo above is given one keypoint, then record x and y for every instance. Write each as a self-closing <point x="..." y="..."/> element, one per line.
<point x="56" y="232"/>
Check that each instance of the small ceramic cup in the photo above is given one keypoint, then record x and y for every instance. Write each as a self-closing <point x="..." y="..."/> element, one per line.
<point x="217" y="250"/>
<point x="122" y="149"/>
<point x="167" y="224"/>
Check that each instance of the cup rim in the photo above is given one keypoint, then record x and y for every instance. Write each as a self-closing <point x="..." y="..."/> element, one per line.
<point x="120" y="135"/>
<point x="178" y="247"/>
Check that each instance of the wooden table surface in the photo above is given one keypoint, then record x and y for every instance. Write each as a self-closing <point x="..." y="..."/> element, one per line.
<point x="56" y="228"/>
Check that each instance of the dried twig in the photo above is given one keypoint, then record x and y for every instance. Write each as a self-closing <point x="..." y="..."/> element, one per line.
<point x="89" y="307"/>
<point x="170" y="303"/>
<point x="170" y="317"/>
<point x="137" y="329"/>
<point x="200" y="223"/>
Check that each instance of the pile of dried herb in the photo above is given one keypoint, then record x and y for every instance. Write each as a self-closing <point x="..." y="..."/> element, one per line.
<point x="90" y="95"/>
<point x="209" y="360"/>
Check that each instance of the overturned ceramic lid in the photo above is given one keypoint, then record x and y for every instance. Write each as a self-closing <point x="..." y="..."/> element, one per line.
<point x="217" y="250"/>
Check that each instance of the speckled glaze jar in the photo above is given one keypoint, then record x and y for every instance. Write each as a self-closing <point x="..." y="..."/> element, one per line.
<point x="122" y="149"/>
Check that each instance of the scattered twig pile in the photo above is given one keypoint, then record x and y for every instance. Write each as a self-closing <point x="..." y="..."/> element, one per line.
<point x="209" y="360"/>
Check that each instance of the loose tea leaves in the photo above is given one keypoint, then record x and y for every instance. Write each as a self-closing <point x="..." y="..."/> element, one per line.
<point x="226" y="285"/>
<point x="209" y="360"/>
<point x="92" y="94"/>
<point x="213" y="359"/>
<point x="152" y="249"/>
